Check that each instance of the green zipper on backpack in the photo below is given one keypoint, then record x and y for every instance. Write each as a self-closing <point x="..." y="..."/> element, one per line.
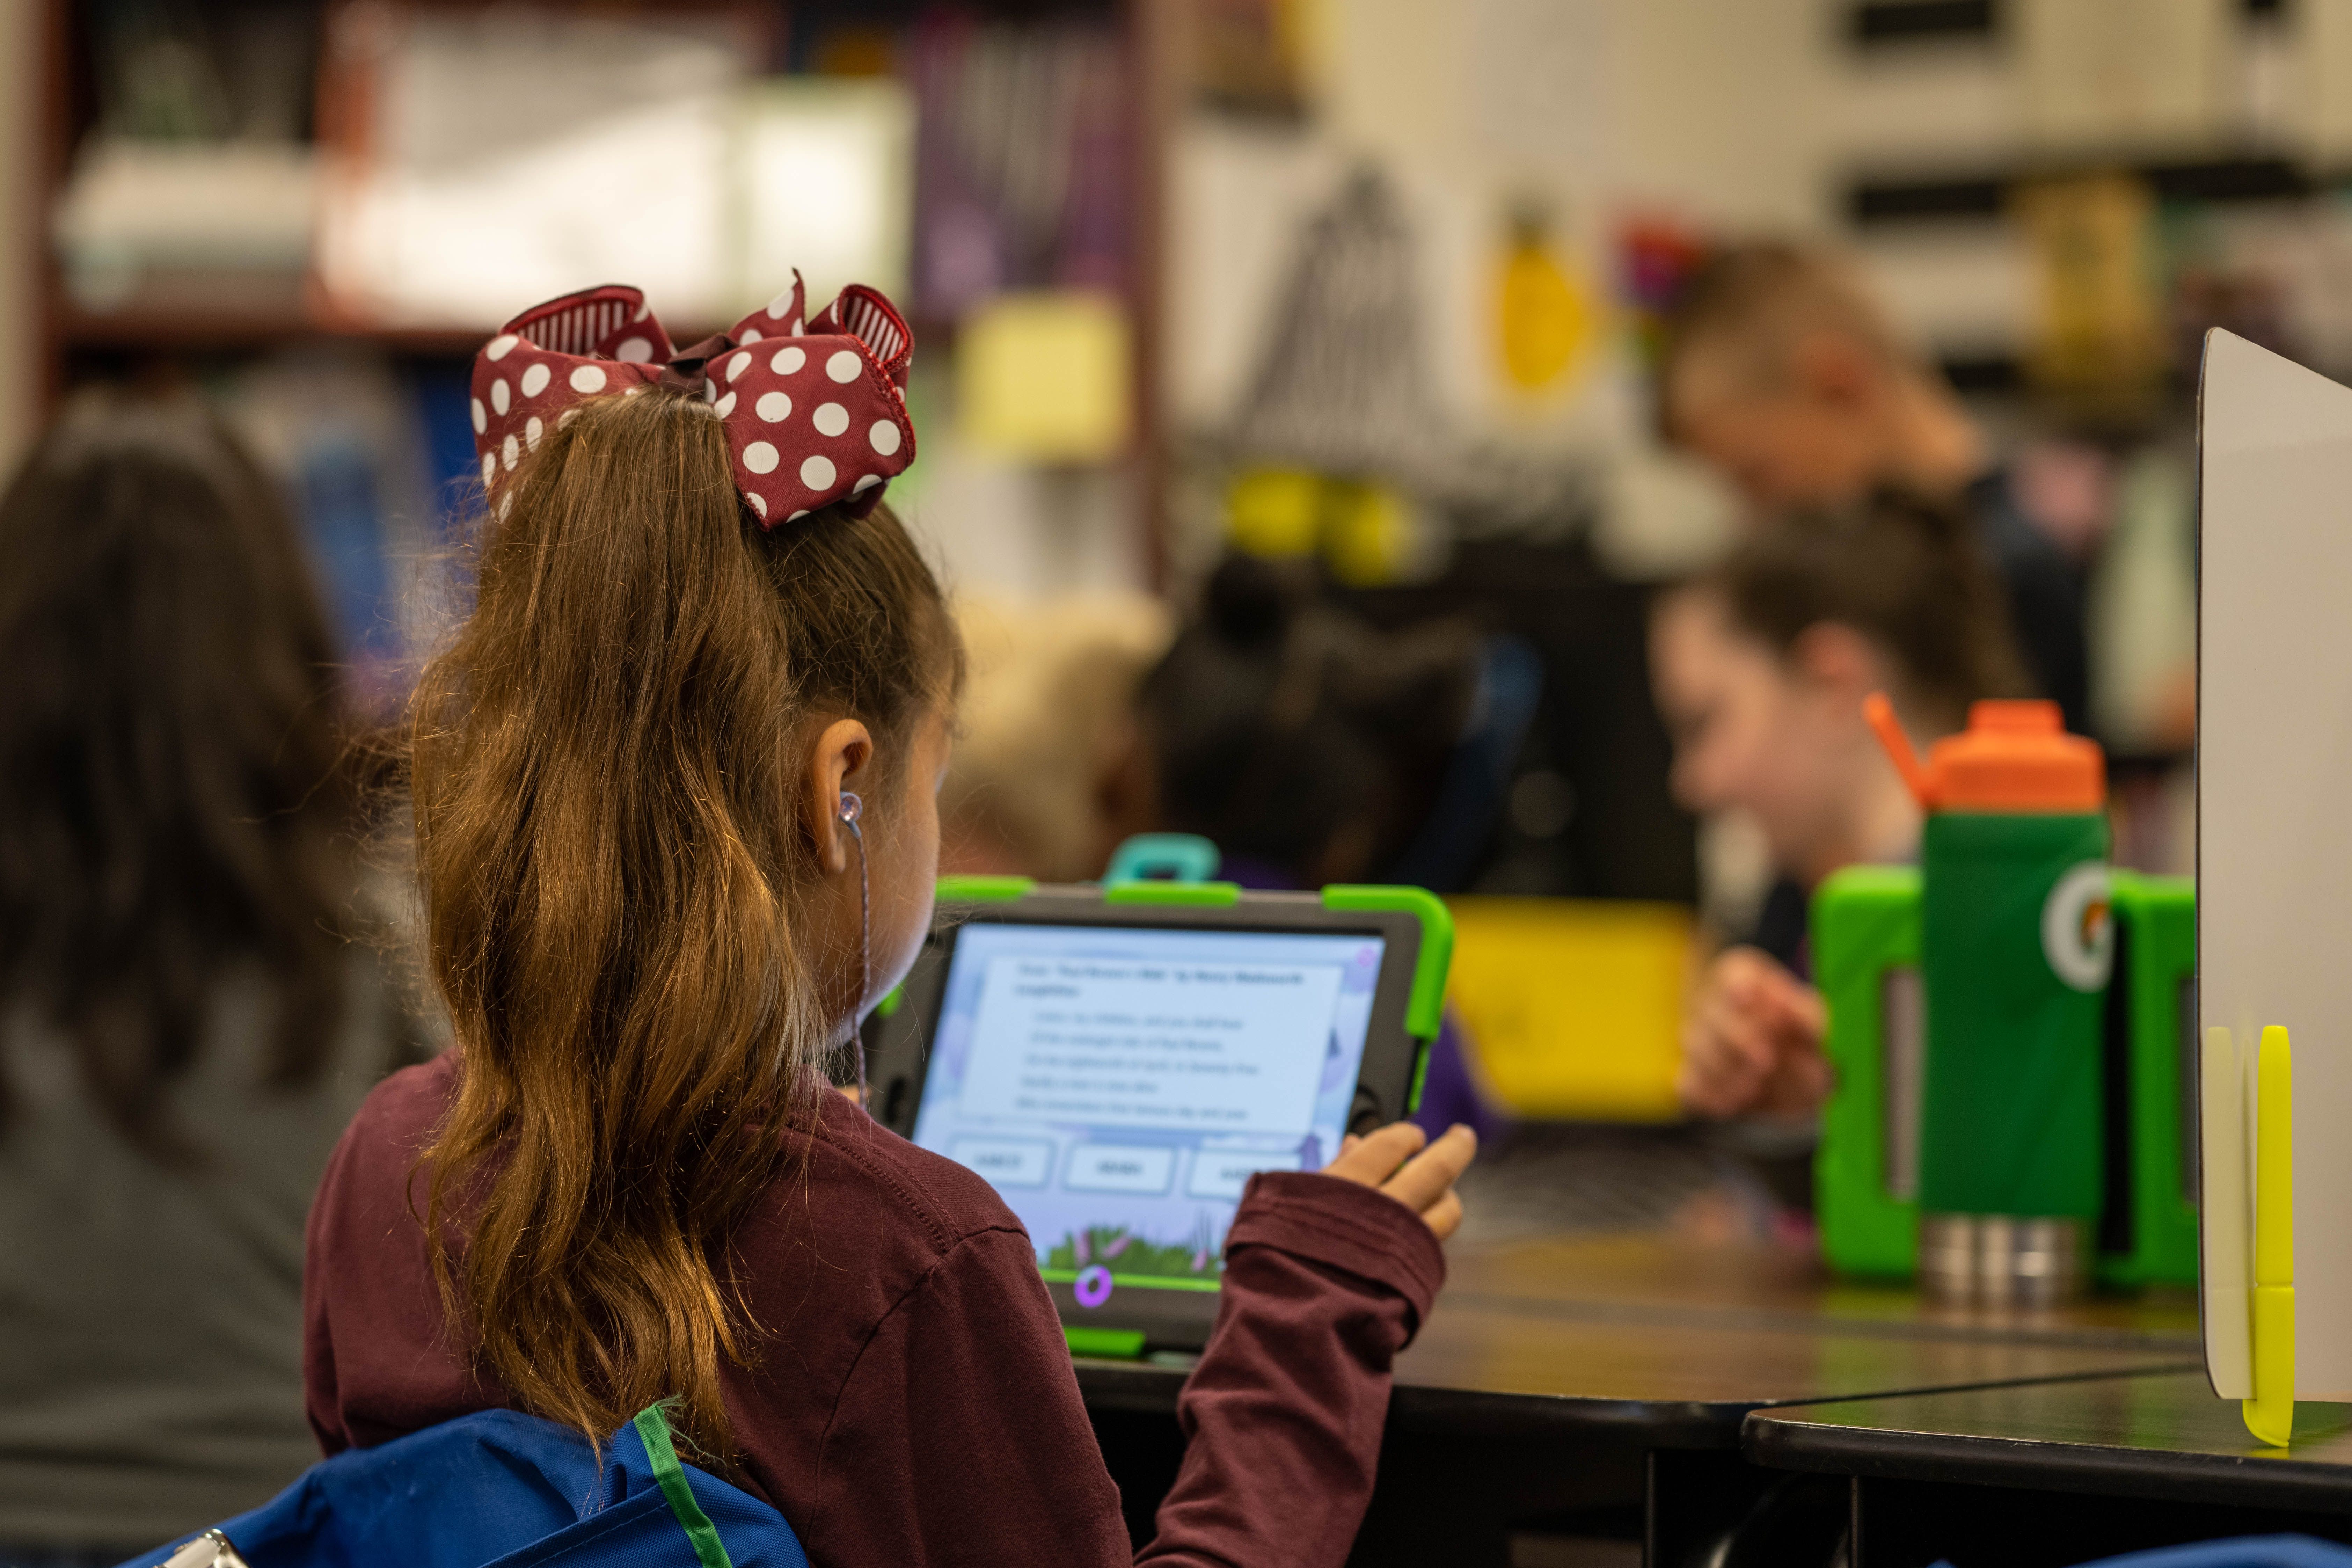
<point x="653" y="1427"/>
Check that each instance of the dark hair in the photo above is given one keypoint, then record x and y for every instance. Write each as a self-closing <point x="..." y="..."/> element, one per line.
<point x="169" y="798"/>
<point x="1291" y="733"/>
<point x="603" y="762"/>
<point x="1905" y="572"/>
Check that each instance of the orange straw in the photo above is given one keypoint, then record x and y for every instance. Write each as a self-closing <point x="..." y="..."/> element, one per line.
<point x="1880" y="713"/>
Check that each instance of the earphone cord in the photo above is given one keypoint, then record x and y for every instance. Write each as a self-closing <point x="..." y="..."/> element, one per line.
<point x="864" y="955"/>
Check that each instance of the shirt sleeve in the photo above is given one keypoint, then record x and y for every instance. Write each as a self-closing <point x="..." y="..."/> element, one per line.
<point x="318" y="1392"/>
<point x="1326" y="1281"/>
<point x="965" y="1402"/>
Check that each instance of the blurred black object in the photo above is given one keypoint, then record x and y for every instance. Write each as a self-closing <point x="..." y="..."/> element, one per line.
<point x="1586" y="813"/>
<point x="1307" y="745"/>
<point x="1491" y="731"/>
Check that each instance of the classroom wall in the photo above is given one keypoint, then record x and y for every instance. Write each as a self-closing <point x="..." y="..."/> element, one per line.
<point x="1595" y="111"/>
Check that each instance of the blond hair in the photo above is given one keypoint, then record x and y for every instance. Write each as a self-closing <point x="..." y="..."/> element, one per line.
<point x="1048" y="709"/>
<point x="1743" y="314"/>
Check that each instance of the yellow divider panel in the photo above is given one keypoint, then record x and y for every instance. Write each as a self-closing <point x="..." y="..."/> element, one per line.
<point x="1573" y="1005"/>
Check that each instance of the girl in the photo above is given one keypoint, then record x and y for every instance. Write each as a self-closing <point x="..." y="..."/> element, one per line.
<point x="1761" y="667"/>
<point x="674" y="786"/>
<point x="186" y="1030"/>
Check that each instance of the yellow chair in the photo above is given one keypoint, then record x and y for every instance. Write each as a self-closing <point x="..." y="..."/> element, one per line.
<point x="1573" y="1006"/>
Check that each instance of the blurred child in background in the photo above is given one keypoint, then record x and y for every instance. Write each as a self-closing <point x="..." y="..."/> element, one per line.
<point x="188" y="1029"/>
<point x="1036" y="786"/>
<point x="1782" y="372"/>
<point x="1309" y="748"/>
<point x="1305" y="744"/>
<point x="1761" y="666"/>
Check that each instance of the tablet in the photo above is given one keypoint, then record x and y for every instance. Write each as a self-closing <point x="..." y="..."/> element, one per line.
<point x="1118" y="1061"/>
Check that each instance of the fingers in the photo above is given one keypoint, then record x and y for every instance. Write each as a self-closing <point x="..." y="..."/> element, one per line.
<point x="1805" y="1009"/>
<point x="1800" y="1085"/>
<point x="1728" y="1056"/>
<point x="1374" y="1157"/>
<point x="1790" y="1004"/>
<point x="1431" y="1175"/>
<point x="1401" y="1161"/>
<point x="1753" y="1040"/>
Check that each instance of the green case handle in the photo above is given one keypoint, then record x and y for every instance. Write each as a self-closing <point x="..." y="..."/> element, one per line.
<point x="1424" y="1012"/>
<point x="1195" y="895"/>
<point x="2157" y="968"/>
<point x="1110" y="1344"/>
<point x="1865" y="922"/>
<point x="982" y="890"/>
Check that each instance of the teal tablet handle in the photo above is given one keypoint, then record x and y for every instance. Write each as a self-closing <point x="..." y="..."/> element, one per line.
<point x="1424" y="1011"/>
<point x="1166" y="856"/>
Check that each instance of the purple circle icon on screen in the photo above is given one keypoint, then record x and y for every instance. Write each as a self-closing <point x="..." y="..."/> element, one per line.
<point x="1092" y="1286"/>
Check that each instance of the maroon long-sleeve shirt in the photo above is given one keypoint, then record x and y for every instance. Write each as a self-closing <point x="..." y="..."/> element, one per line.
<point x="909" y="1400"/>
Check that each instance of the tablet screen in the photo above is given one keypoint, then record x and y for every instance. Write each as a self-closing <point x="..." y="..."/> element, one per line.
<point x="1119" y="1085"/>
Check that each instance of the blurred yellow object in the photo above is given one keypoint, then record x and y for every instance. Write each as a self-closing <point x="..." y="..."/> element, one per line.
<point x="2099" y="328"/>
<point x="1364" y="530"/>
<point x="1045" y="378"/>
<point x="1573" y="1006"/>
<point x="1273" y="512"/>
<point x="1544" y="319"/>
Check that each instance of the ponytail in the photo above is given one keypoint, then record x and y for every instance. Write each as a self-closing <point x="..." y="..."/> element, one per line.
<point x="601" y="762"/>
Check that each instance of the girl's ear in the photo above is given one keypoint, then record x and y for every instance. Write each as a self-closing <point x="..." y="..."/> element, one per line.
<point x="839" y="761"/>
<point x="1839" y="662"/>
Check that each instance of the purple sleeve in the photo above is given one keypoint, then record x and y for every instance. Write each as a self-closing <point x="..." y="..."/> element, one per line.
<point x="1449" y="1094"/>
<point x="1326" y="1281"/>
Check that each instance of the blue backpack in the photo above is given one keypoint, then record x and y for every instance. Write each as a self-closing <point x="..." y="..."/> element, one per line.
<point x="501" y="1490"/>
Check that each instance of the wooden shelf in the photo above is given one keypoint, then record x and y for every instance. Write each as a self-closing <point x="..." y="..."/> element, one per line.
<point x="1983" y="194"/>
<point x="234" y="331"/>
<point x="1877" y="23"/>
<point x="229" y="330"/>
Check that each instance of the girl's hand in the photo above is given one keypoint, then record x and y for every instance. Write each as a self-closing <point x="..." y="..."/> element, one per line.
<point x="1752" y="1040"/>
<point x="1399" y="1161"/>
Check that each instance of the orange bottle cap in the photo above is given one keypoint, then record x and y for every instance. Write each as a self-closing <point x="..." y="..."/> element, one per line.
<point x="2016" y="757"/>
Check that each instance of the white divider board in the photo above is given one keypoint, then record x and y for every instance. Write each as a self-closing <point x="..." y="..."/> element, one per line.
<point x="2274" y="829"/>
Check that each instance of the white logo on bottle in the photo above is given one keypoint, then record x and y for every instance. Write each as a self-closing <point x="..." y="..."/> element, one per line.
<point x="2078" y="928"/>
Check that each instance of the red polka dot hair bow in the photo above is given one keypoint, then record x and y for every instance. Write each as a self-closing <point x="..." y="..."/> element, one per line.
<point x="815" y="410"/>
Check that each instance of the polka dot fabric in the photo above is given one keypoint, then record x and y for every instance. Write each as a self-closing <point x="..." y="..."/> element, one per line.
<point x="814" y="408"/>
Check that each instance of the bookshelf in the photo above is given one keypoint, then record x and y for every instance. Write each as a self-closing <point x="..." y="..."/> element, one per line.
<point x="189" y="335"/>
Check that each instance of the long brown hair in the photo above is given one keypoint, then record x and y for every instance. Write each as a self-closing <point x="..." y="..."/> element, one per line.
<point x="1904" y="572"/>
<point x="170" y="807"/>
<point x="603" y="764"/>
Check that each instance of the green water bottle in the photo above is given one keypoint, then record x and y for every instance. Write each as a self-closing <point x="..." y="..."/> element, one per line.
<point x="2016" y="941"/>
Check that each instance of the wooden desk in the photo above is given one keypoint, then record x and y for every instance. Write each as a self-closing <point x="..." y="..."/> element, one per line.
<point x="1661" y="1280"/>
<point x="1583" y="1375"/>
<point x="1671" y="1344"/>
<point x="2091" y="1467"/>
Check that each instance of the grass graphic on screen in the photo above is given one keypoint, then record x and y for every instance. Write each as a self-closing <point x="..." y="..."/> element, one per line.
<point x="1124" y="1252"/>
